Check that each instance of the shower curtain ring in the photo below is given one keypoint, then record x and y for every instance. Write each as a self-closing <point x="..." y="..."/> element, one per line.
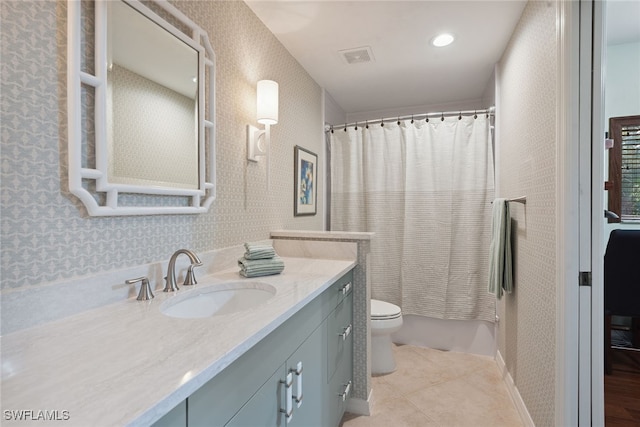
<point x="366" y="124"/>
<point x="412" y="119"/>
<point x="331" y="128"/>
<point x="345" y="127"/>
<point x="398" y="121"/>
<point x="475" y="114"/>
<point x="442" y="117"/>
<point x="382" y="122"/>
<point x="356" y="126"/>
<point x="460" y="116"/>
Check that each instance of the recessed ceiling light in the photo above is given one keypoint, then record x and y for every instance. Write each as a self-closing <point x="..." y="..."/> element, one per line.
<point x="442" y="40"/>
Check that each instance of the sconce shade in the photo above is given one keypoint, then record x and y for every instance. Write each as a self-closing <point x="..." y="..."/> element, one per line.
<point x="267" y="102"/>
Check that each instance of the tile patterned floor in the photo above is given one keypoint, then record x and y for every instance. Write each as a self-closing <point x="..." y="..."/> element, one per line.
<point x="439" y="388"/>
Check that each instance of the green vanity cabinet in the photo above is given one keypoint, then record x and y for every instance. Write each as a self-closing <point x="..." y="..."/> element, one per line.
<point x="312" y="349"/>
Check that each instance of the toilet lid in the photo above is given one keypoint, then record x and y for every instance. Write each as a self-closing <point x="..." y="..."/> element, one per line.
<point x="384" y="310"/>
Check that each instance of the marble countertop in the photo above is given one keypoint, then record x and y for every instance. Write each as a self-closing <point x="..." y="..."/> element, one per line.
<point x="128" y="364"/>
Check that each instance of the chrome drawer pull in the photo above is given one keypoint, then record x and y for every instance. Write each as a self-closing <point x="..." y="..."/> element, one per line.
<point x="347" y="390"/>
<point x="288" y="411"/>
<point x="345" y="289"/>
<point x="298" y="371"/>
<point x="346" y="333"/>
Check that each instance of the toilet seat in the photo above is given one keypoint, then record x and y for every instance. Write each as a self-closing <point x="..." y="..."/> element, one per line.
<point x="381" y="310"/>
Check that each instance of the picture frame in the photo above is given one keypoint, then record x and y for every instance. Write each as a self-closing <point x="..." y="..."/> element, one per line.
<point x="305" y="188"/>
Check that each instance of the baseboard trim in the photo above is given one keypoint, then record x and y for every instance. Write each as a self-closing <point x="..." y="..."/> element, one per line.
<point x="360" y="406"/>
<point x="513" y="392"/>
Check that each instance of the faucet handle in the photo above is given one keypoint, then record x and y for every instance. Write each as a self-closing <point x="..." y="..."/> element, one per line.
<point x="190" y="278"/>
<point x="145" y="293"/>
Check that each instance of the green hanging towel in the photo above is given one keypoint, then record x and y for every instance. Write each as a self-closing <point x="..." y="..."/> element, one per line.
<point x="500" y="257"/>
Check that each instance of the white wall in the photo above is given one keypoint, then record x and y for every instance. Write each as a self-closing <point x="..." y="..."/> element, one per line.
<point x="622" y="80"/>
<point x="333" y="113"/>
<point x="417" y="110"/>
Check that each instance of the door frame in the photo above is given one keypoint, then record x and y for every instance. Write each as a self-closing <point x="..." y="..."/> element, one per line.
<point x="598" y="242"/>
<point x="567" y="184"/>
<point x="579" y="213"/>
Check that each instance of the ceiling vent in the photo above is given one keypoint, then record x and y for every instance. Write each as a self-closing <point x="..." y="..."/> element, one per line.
<point x="357" y="55"/>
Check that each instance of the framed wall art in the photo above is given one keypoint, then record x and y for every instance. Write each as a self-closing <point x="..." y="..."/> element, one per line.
<point x="305" y="182"/>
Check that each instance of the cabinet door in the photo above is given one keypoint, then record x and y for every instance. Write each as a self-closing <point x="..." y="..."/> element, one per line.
<point x="264" y="408"/>
<point x="177" y="417"/>
<point x="307" y="366"/>
<point x="295" y="389"/>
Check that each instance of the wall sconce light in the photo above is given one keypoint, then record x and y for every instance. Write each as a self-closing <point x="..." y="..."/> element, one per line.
<point x="258" y="140"/>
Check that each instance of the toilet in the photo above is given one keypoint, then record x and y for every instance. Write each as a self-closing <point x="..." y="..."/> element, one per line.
<point x="386" y="318"/>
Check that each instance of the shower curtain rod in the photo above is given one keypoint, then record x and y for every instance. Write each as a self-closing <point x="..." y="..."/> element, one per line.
<point x="441" y="115"/>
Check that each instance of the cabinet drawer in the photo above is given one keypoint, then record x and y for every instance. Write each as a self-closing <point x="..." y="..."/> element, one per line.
<point x="340" y="336"/>
<point x="340" y="388"/>
<point x="341" y="289"/>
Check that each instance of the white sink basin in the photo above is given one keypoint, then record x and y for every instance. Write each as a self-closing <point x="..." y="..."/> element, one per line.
<point x="216" y="300"/>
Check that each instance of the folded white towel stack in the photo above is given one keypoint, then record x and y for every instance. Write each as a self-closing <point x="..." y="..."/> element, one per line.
<point x="260" y="260"/>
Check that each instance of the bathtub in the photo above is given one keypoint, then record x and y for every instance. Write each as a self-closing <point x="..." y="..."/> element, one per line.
<point x="465" y="336"/>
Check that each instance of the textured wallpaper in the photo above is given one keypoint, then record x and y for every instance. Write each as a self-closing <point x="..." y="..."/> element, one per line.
<point x="164" y="150"/>
<point x="45" y="233"/>
<point x="527" y="157"/>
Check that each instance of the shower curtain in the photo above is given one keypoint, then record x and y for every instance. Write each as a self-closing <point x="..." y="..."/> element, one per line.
<point x="425" y="189"/>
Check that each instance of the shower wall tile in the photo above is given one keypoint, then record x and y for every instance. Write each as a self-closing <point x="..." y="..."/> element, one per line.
<point x="527" y="157"/>
<point x="46" y="236"/>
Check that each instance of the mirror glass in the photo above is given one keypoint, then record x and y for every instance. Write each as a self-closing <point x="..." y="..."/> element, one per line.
<point x="141" y="109"/>
<point x="151" y="103"/>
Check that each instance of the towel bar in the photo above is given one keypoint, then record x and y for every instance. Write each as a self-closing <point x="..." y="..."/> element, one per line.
<point x="522" y="200"/>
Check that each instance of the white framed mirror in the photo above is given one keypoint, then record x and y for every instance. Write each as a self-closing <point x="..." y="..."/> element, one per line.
<point x="141" y="101"/>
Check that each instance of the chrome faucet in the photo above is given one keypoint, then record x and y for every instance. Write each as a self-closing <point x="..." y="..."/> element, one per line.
<point x="171" y="285"/>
